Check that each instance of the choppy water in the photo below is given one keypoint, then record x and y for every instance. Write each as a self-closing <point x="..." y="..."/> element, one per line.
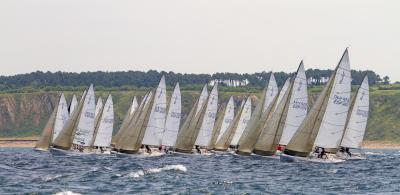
<point x="27" y="171"/>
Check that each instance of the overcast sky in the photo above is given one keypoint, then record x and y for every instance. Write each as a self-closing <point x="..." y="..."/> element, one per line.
<point x="204" y="36"/>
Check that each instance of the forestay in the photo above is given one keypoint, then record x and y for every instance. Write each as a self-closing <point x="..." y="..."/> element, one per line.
<point x="156" y="125"/>
<point x="357" y="122"/>
<point x="61" y="117"/>
<point x="172" y="123"/>
<point x="105" y="128"/>
<point x="205" y="133"/>
<point x="85" y="128"/>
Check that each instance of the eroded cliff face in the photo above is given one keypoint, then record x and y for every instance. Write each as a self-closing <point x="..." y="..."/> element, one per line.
<point x="25" y="113"/>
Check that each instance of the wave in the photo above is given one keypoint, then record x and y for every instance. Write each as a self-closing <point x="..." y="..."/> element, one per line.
<point x="52" y="177"/>
<point x="66" y="193"/>
<point x="141" y="173"/>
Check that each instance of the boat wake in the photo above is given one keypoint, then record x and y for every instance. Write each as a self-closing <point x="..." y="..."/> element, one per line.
<point x="51" y="177"/>
<point x="66" y="193"/>
<point x="141" y="173"/>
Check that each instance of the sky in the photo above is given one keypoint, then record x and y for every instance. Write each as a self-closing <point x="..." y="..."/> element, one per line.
<point x="199" y="36"/>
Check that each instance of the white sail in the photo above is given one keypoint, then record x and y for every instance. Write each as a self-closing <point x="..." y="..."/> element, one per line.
<point x="134" y="105"/>
<point x="334" y="120"/>
<point x="156" y="124"/>
<point x="358" y="118"/>
<point x="173" y="121"/>
<point x="61" y="117"/>
<point x="244" y="119"/>
<point x="83" y="95"/>
<point x="228" y="117"/>
<point x="298" y="105"/>
<point x="105" y="128"/>
<point x="202" y="98"/>
<point x="207" y="126"/>
<point x="99" y="105"/>
<point x="74" y="103"/>
<point x="282" y="93"/>
<point x="85" y="129"/>
<point x="271" y="92"/>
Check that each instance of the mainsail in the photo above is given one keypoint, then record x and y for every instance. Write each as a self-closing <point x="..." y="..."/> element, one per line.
<point x="336" y="95"/>
<point x="266" y="143"/>
<point x="358" y="118"/>
<point x="45" y="139"/>
<point x="72" y="106"/>
<point x="61" y="117"/>
<point x="84" y="131"/>
<point x="223" y="122"/>
<point x="207" y="126"/>
<point x="104" y="128"/>
<point x="298" y="106"/>
<point x="65" y="137"/>
<point x="272" y="91"/>
<point x="156" y="125"/>
<point x="173" y="120"/>
<point x="190" y="129"/>
<point x="243" y="121"/>
<point x="99" y="106"/>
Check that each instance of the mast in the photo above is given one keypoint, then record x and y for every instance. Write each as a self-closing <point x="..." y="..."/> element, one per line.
<point x="357" y="118"/>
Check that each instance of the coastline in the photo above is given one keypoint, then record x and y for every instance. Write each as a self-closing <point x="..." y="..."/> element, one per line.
<point x="29" y="142"/>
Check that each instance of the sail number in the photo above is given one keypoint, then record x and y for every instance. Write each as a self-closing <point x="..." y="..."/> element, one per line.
<point x="300" y="105"/>
<point x="362" y="113"/>
<point x="344" y="101"/>
<point x="175" y="115"/>
<point x="159" y="109"/>
<point x="89" y="114"/>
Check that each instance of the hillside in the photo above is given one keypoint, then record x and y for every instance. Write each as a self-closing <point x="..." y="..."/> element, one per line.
<point x="25" y="114"/>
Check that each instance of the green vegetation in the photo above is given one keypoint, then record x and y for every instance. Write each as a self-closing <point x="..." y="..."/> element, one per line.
<point x="25" y="114"/>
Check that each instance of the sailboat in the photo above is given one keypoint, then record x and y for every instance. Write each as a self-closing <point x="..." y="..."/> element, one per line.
<point x="356" y="123"/>
<point x="257" y="121"/>
<point x="127" y="119"/>
<point x="78" y="131"/>
<point x="225" y="138"/>
<point x="156" y="124"/>
<point x="72" y="106"/>
<point x="131" y="140"/>
<point x="104" y="128"/>
<point x="57" y="120"/>
<point x="205" y="134"/>
<point x="289" y="112"/>
<point x="266" y="143"/>
<point x="173" y="120"/>
<point x="324" y="125"/>
<point x="187" y="134"/>
<point x="223" y="122"/>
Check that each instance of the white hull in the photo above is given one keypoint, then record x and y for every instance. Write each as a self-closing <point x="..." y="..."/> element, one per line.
<point x="329" y="159"/>
<point x="56" y="151"/>
<point x="141" y="153"/>
<point x="354" y="156"/>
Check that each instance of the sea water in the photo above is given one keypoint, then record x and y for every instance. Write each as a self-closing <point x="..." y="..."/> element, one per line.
<point x="27" y="171"/>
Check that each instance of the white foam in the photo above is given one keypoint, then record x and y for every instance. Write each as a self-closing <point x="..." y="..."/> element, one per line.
<point x="141" y="173"/>
<point x="66" y="193"/>
<point x="52" y="177"/>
